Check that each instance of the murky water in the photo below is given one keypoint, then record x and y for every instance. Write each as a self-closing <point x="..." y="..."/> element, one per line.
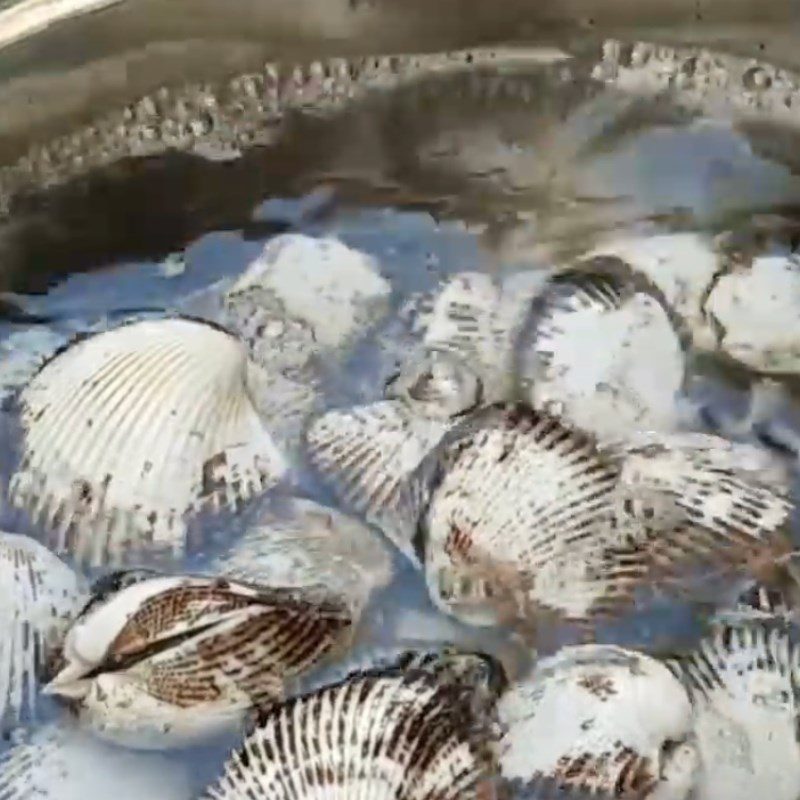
<point x="492" y="168"/>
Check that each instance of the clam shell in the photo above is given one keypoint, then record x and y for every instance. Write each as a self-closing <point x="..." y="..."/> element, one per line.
<point x="743" y="681"/>
<point x="127" y="431"/>
<point x="755" y="309"/>
<point x="681" y="265"/>
<point x="303" y="544"/>
<point x="367" y="453"/>
<point x="38" y="595"/>
<point x="382" y="735"/>
<point x="61" y="763"/>
<point x="603" y="353"/>
<point x="599" y="719"/>
<point x="520" y="512"/>
<point x="172" y="660"/>
<point x="303" y="294"/>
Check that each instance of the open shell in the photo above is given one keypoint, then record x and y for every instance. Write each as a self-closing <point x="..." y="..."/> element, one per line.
<point x="395" y="734"/>
<point x="128" y="431"/>
<point x="170" y="660"/>
<point x="39" y="594"/>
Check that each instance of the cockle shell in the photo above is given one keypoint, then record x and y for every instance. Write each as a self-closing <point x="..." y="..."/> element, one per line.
<point x="516" y="509"/>
<point x="300" y="543"/>
<point x="602" y="352"/>
<point x="743" y="682"/>
<point x="599" y="719"/>
<point x="403" y="733"/>
<point x="165" y="661"/>
<point x="39" y="594"/>
<point x="128" y="431"/>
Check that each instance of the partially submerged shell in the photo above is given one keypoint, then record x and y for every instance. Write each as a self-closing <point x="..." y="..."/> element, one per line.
<point x="368" y="452"/>
<point x="59" y="762"/>
<point x="166" y="661"/>
<point x="128" y="431"/>
<point x="39" y="594"/>
<point x="396" y="734"/>
<point x="599" y="719"/>
<point x="743" y="681"/>
<point x="303" y="295"/>
<point x="602" y="352"/>
<point x="301" y="543"/>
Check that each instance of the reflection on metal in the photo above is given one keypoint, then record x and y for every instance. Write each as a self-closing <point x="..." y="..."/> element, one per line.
<point x="28" y="17"/>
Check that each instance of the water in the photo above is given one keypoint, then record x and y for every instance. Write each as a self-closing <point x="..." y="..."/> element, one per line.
<point x="488" y="168"/>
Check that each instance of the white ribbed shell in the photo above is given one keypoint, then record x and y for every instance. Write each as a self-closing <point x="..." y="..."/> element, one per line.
<point x="127" y="431"/>
<point x="758" y="311"/>
<point x="302" y="543"/>
<point x="743" y="680"/>
<point x="606" y="356"/>
<point x="599" y="717"/>
<point x="38" y="595"/>
<point x="390" y="736"/>
<point x="62" y="763"/>
<point x="517" y="507"/>
<point x="368" y="452"/>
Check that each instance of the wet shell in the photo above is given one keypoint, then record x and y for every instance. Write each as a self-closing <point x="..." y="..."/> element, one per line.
<point x="127" y="431"/>
<point x="605" y="354"/>
<point x="756" y="311"/>
<point x="683" y="267"/>
<point x="166" y="661"/>
<point x="520" y="512"/>
<point x="59" y="762"/>
<point x="743" y="681"/>
<point x="38" y="595"/>
<point x="304" y="294"/>
<point x="301" y="543"/>
<point x="436" y="384"/>
<point x="381" y="735"/>
<point x="368" y="452"/>
<point x="599" y="719"/>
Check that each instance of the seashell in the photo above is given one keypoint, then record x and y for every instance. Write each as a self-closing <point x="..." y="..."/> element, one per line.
<point x="61" y="763"/>
<point x="38" y="595"/>
<point x="166" y="661"/>
<point x="590" y="344"/>
<point x="601" y="720"/>
<point x="683" y="267"/>
<point x="743" y="683"/>
<point x="517" y="513"/>
<point x="436" y="384"/>
<point x="367" y="452"/>
<point x="755" y="311"/>
<point x="128" y="431"/>
<point x="398" y="734"/>
<point x="304" y="544"/>
<point x="303" y="295"/>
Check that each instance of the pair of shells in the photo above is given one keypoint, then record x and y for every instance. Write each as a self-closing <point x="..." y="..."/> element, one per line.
<point x="515" y="512"/>
<point x="733" y="297"/>
<point x="717" y="724"/>
<point x="128" y="433"/>
<point x="584" y="340"/>
<point x="167" y="659"/>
